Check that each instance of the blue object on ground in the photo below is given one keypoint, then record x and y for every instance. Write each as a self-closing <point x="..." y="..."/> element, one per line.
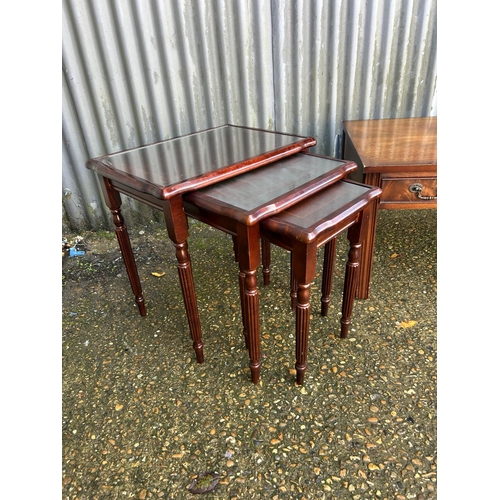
<point x="73" y="252"/>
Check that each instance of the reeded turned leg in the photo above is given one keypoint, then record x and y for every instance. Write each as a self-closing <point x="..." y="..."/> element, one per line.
<point x="113" y="200"/>
<point x="303" y="264"/>
<point x="351" y="278"/>
<point x="248" y="244"/>
<point x="328" y="266"/>
<point x="302" y="319"/>
<point x="173" y="210"/>
<point x="188" y="293"/>
<point x="251" y="315"/>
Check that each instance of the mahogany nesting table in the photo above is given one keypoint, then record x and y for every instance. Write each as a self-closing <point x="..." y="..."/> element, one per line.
<point x="399" y="156"/>
<point x="305" y="227"/>
<point x="288" y="206"/>
<point x="159" y="174"/>
<point x="240" y="205"/>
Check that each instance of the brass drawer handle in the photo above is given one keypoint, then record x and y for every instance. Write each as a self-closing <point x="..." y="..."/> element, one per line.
<point x="417" y="188"/>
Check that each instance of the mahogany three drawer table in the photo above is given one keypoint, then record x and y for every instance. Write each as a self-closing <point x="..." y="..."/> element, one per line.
<point x="159" y="174"/>
<point x="398" y="155"/>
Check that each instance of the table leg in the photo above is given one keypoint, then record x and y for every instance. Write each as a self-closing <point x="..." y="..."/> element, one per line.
<point x="266" y="261"/>
<point x="235" y="247"/>
<point x="293" y="285"/>
<point x="303" y="264"/>
<point x="302" y="320"/>
<point x="248" y="239"/>
<point x="368" y="248"/>
<point x="241" y="280"/>
<point x="328" y="267"/>
<point x="177" y="227"/>
<point x="114" y="202"/>
<point x="351" y="281"/>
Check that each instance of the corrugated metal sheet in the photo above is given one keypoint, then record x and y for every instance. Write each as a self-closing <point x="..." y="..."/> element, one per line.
<point x="139" y="71"/>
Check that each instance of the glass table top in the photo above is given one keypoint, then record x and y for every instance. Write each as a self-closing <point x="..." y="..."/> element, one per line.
<point x="195" y="160"/>
<point x="249" y="197"/>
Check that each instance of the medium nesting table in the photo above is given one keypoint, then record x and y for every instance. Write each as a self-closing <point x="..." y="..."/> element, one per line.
<point x="159" y="174"/>
<point x="240" y="205"/>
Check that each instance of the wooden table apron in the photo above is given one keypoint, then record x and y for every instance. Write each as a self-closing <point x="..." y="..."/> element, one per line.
<point x="153" y="175"/>
<point x="394" y="154"/>
<point x="238" y="205"/>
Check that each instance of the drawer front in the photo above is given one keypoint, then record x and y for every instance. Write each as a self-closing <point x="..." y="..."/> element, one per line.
<point x="397" y="190"/>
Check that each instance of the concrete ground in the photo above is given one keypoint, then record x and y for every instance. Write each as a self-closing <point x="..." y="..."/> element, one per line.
<point x="141" y="419"/>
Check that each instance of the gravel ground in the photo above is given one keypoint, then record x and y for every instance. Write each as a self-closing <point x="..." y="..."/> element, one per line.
<point x="141" y="419"/>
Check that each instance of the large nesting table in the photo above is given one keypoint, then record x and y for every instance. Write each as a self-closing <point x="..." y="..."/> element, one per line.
<point x="159" y="174"/>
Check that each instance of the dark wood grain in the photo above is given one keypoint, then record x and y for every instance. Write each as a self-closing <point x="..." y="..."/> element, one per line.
<point x="386" y="145"/>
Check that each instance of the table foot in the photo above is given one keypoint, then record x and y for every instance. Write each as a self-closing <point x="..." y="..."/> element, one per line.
<point x="198" y="349"/>
<point x="141" y="305"/>
<point x="255" y="373"/>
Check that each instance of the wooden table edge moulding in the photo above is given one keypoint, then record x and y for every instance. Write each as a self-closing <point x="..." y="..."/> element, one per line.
<point x="399" y="155"/>
<point x="147" y="181"/>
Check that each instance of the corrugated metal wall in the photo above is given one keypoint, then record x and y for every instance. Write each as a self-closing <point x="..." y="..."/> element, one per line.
<point x="139" y="71"/>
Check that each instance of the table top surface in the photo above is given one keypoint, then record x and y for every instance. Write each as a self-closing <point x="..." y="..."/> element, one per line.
<point x="254" y="195"/>
<point x="310" y="218"/>
<point x="394" y="141"/>
<point x="174" y="166"/>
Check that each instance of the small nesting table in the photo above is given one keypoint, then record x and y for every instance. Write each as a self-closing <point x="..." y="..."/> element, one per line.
<point x="399" y="156"/>
<point x="159" y="174"/>
<point x="305" y="227"/>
